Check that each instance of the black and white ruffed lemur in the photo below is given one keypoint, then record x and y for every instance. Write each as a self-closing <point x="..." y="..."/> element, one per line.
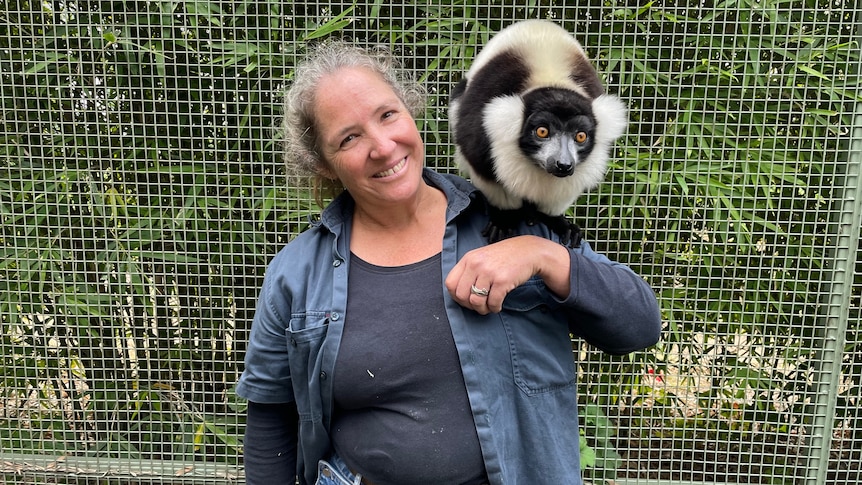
<point x="533" y="127"/>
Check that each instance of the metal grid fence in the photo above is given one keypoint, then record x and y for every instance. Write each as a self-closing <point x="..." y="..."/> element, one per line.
<point x="142" y="194"/>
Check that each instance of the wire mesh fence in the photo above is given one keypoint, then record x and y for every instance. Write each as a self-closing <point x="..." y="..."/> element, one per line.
<point x="143" y="194"/>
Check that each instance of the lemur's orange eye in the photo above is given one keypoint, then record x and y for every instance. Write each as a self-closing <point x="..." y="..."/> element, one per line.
<point x="581" y="137"/>
<point x="542" y="132"/>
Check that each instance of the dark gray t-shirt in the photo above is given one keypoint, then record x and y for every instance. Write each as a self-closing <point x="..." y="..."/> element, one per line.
<point x="401" y="409"/>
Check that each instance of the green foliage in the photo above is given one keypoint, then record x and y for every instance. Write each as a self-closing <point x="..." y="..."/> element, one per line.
<point x="142" y="194"/>
<point x="139" y="206"/>
<point x="599" y="458"/>
<point x="735" y="150"/>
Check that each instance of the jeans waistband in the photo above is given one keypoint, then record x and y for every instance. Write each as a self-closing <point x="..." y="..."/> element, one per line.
<point x="335" y="472"/>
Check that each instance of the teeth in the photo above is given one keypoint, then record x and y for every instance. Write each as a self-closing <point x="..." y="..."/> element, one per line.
<point x="393" y="170"/>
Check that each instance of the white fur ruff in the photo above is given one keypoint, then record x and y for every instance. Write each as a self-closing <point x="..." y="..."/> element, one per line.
<point x="520" y="178"/>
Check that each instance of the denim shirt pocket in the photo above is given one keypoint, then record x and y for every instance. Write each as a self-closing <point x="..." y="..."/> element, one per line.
<point x="305" y="335"/>
<point x="539" y="340"/>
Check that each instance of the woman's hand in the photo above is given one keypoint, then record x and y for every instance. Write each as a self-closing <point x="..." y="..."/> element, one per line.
<point x="484" y="276"/>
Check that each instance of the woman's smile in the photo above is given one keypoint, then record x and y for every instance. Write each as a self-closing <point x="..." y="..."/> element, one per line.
<point x="392" y="171"/>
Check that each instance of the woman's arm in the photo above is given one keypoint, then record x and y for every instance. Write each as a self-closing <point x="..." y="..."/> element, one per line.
<point x="610" y="306"/>
<point x="607" y="303"/>
<point x="505" y="265"/>
<point x="269" y="447"/>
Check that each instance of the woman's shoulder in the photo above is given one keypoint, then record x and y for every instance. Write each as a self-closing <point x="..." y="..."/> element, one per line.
<point x="303" y="252"/>
<point x="448" y="180"/>
<point x="311" y="240"/>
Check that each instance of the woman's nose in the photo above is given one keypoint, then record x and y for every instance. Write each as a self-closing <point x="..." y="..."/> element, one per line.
<point x="381" y="145"/>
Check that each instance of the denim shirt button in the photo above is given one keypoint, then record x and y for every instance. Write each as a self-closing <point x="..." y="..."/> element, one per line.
<point x="323" y="375"/>
<point x="334" y="316"/>
<point x="336" y="263"/>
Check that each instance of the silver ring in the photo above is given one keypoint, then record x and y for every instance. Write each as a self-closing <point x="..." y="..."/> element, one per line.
<point x="479" y="291"/>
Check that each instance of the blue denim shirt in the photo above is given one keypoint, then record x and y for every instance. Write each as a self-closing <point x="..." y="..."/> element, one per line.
<point x="518" y="365"/>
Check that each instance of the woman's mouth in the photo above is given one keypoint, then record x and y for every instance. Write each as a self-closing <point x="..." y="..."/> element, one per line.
<point x="393" y="170"/>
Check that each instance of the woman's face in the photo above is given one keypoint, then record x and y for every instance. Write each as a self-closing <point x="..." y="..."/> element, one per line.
<point x="368" y="138"/>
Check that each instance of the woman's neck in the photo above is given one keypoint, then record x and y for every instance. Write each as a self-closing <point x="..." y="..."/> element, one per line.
<point x="401" y="235"/>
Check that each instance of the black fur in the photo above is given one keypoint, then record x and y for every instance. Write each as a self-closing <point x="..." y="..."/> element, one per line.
<point x="503" y="223"/>
<point x="587" y="77"/>
<point x="502" y="76"/>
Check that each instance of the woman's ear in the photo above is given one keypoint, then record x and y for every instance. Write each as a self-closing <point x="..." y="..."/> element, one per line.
<point x="324" y="171"/>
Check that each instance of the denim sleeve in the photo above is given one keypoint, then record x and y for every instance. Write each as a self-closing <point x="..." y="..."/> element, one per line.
<point x="266" y="377"/>
<point x="609" y="305"/>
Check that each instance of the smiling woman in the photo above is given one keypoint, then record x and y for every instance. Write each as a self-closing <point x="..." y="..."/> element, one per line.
<point x="370" y="143"/>
<point x="301" y="131"/>
<point x="391" y="343"/>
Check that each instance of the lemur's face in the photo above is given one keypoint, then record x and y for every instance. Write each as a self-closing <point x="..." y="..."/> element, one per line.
<point x="558" y="130"/>
<point x="368" y="138"/>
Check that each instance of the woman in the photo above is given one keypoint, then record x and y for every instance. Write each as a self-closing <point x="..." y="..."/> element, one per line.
<point x="391" y="344"/>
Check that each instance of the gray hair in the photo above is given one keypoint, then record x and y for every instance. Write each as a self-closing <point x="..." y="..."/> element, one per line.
<point x="302" y="154"/>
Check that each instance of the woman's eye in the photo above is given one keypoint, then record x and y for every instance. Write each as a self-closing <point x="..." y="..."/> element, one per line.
<point x="347" y="139"/>
<point x="542" y="132"/>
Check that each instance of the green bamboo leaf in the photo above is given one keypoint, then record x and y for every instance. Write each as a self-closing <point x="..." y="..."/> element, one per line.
<point x="168" y="256"/>
<point x="51" y="58"/>
<point x="208" y="10"/>
<point x="223" y="435"/>
<point x="822" y="112"/>
<point x="84" y="304"/>
<point x="813" y="72"/>
<point x="334" y="25"/>
<point x="269" y="199"/>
